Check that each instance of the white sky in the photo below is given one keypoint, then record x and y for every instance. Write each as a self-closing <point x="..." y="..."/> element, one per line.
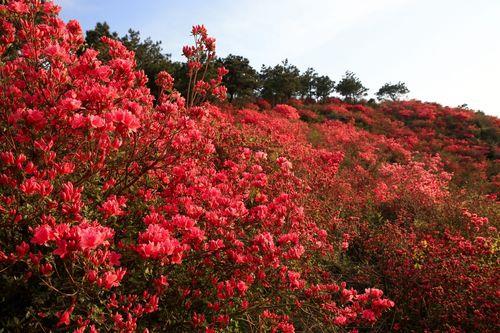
<point x="446" y="51"/>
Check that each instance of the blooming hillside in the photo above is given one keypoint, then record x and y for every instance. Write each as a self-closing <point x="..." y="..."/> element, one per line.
<point x="124" y="212"/>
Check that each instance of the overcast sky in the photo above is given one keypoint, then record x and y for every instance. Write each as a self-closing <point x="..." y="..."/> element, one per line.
<point x="446" y="51"/>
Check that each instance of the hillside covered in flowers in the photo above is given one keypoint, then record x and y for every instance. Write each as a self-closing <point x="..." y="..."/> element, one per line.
<point x="127" y="210"/>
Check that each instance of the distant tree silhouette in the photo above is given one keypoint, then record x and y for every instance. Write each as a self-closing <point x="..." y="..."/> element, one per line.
<point x="392" y="91"/>
<point x="93" y="36"/>
<point x="323" y="87"/>
<point x="350" y="87"/>
<point x="242" y="80"/>
<point x="280" y="83"/>
<point x="307" y="87"/>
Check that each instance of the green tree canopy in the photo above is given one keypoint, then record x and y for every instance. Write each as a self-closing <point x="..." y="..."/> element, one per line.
<point x="280" y="83"/>
<point x="323" y="87"/>
<point x="242" y="80"/>
<point x="93" y="36"/>
<point x="393" y="91"/>
<point x="307" y="83"/>
<point x="350" y="87"/>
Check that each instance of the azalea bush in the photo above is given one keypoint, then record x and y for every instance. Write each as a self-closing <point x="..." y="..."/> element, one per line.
<point x="123" y="213"/>
<point x="395" y="215"/>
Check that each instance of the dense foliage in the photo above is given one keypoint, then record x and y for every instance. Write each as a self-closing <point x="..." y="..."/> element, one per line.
<point x="350" y="87"/>
<point x="125" y="211"/>
<point x="393" y="91"/>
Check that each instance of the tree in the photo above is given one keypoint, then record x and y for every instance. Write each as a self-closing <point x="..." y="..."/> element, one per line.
<point x="323" y="87"/>
<point x="307" y="81"/>
<point x="242" y="80"/>
<point x="350" y="87"/>
<point x="93" y="37"/>
<point x="393" y="91"/>
<point x="280" y="83"/>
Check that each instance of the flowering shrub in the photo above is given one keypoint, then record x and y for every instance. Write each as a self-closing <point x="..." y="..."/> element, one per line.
<point x="198" y="58"/>
<point x="413" y="182"/>
<point x="449" y="269"/>
<point x="120" y="215"/>
<point x="287" y="111"/>
<point x="263" y="104"/>
<point x="392" y="210"/>
<point x="308" y="115"/>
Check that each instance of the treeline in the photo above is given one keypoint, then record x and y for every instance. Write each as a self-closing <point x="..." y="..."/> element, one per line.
<point x="276" y="84"/>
